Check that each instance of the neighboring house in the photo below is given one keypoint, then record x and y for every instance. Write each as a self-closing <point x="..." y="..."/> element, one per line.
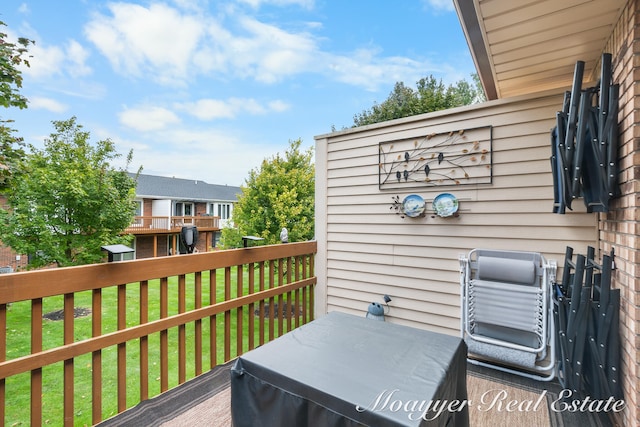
<point x="165" y="205"/>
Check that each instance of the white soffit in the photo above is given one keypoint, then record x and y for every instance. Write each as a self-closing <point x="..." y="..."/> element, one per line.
<point x="526" y="46"/>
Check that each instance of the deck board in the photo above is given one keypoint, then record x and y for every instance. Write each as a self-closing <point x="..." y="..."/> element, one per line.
<point x="206" y="401"/>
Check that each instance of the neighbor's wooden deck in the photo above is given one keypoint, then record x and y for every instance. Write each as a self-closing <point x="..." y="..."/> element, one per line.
<point x="173" y="224"/>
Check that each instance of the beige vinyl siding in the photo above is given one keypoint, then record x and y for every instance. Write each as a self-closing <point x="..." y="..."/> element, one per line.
<point x="366" y="251"/>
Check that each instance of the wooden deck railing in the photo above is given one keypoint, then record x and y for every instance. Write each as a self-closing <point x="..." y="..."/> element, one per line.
<point x="153" y="324"/>
<point x="146" y="224"/>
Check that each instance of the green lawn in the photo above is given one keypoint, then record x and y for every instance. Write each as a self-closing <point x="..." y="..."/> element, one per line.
<point x="18" y="344"/>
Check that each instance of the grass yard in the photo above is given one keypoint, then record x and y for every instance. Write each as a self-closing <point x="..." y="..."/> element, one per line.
<point x="18" y="344"/>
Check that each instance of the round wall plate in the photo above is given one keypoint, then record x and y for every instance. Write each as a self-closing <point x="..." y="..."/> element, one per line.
<point x="413" y="206"/>
<point x="445" y="205"/>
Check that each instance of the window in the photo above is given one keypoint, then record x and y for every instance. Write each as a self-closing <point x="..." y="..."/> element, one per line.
<point x="183" y="209"/>
<point x="138" y="212"/>
<point x="224" y="210"/>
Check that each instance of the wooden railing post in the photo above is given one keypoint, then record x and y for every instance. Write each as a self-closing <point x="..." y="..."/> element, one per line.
<point x="36" y="374"/>
<point x="164" y="335"/>
<point x="227" y="315"/>
<point x="122" y="349"/>
<point x="261" y="303"/>
<point x="272" y="312"/>
<point x="213" y="325"/>
<point x="96" y="357"/>
<point x="182" y="339"/>
<point x="296" y="296"/>
<point x="3" y="357"/>
<point x="239" y="310"/>
<point x="198" y="323"/>
<point x="290" y="305"/>
<point x="144" y="341"/>
<point x="69" y="313"/>
<point x="251" y="315"/>
<point x="280" y="315"/>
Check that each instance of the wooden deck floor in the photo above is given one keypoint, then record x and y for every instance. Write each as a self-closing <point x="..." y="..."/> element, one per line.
<point x="206" y="401"/>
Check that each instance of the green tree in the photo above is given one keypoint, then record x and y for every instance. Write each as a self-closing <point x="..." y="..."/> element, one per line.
<point x="12" y="55"/>
<point x="67" y="200"/>
<point x="429" y="95"/>
<point x="280" y="194"/>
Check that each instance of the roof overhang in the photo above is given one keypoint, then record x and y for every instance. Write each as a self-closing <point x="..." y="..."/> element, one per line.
<point x="526" y="46"/>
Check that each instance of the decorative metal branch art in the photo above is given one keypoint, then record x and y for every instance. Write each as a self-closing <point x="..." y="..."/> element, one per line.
<point x="450" y="158"/>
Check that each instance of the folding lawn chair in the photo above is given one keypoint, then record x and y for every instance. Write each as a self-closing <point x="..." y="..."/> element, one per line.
<point x="584" y="143"/>
<point x="586" y="311"/>
<point x="506" y="311"/>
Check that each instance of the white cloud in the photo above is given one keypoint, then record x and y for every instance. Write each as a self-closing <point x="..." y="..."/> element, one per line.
<point x="195" y="5"/>
<point x="308" y="4"/>
<point x="46" y="61"/>
<point x="136" y="40"/>
<point x="440" y="5"/>
<point x="278" y="106"/>
<point x="148" y="118"/>
<point x="210" y="155"/>
<point x="77" y="57"/>
<point x="170" y="45"/>
<point x="210" y="109"/>
<point x="40" y="103"/>
<point x="368" y="69"/>
<point x="174" y="46"/>
<point x="271" y="53"/>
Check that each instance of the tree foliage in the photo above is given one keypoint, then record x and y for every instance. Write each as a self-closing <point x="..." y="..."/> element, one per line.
<point x="429" y="95"/>
<point x="12" y="56"/>
<point x="279" y="194"/>
<point x="66" y="200"/>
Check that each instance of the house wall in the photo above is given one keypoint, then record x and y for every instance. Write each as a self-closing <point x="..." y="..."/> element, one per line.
<point x="619" y="229"/>
<point x="161" y="207"/>
<point x="214" y="210"/>
<point x="366" y="251"/>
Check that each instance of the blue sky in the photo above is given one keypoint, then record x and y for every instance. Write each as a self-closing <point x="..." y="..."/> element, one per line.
<point x="208" y="89"/>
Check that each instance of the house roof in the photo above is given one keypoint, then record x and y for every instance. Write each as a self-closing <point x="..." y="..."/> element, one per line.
<point x="525" y="46"/>
<point x="161" y="187"/>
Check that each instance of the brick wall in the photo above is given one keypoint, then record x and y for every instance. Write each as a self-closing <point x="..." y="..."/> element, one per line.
<point x="147" y="207"/>
<point x="200" y="209"/>
<point x="619" y="229"/>
<point x="8" y="257"/>
<point x="144" y="247"/>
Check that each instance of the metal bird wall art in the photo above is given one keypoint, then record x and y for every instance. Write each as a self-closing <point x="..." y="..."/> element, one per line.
<point x="449" y="158"/>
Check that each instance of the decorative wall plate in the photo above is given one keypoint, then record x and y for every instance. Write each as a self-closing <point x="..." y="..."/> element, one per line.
<point x="445" y="205"/>
<point x="413" y="206"/>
